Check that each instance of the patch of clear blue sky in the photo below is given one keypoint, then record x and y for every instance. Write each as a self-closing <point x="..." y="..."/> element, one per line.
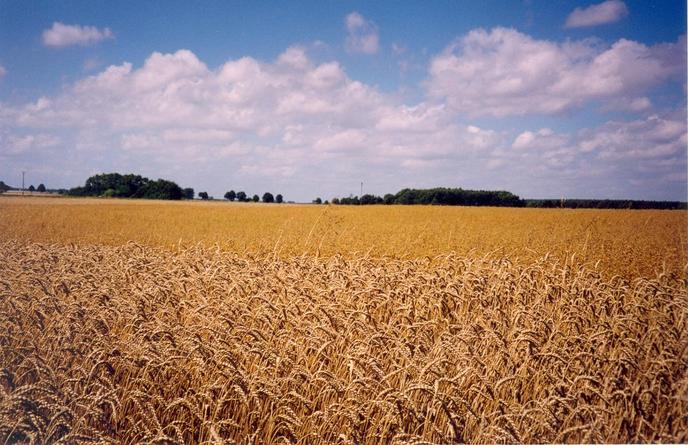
<point x="217" y="31"/>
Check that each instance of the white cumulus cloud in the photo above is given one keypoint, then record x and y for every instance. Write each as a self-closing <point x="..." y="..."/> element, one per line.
<point x="503" y="72"/>
<point x="302" y="127"/>
<point x="61" y="35"/>
<point x="544" y="139"/>
<point x="290" y="118"/>
<point x="28" y="143"/>
<point x="653" y="138"/>
<point x="362" y="35"/>
<point x="609" y="11"/>
<point x="641" y="158"/>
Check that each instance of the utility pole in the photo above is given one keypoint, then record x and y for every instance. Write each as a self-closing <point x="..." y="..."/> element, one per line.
<point x="361" y="188"/>
<point x="23" y="173"/>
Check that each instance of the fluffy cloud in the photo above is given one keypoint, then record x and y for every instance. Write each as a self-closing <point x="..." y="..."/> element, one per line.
<point x="61" y="35"/>
<point x="648" y="155"/>
<point x="651" y="138"/>
<point x="503" y="72"/>
<point x="21" y="144"/>
<point x="543" y="151"/>
<point x="290" y="118"/>
<point x="362" y="34"/>
<point x="291" y="102"/>
<point x="641" y="158"/>
<point x="543" y="139"/>
<point x="299" y="127"/>
<point x="655" y="142"/>
<point x="609" y="11"/>
<point x="656" y="137"/>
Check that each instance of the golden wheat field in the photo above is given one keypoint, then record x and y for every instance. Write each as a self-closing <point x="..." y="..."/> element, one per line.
<point x="143" y="322"/>
<point x="614" y="242"/>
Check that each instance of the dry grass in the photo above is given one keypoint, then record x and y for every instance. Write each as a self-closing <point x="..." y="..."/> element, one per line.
<point x="139" y="344"/>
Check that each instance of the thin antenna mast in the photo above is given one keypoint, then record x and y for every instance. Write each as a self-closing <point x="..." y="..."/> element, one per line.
<point x="23" y="173"/>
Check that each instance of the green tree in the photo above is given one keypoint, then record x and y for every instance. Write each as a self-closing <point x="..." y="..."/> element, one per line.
<point x="203" y="195"/>
<point x="255" y="198"/>
<point x="160" y="189"/>
<point x="370" y="199"/>
<point x="41" y="188"/>
<point x="241" y="197"/>
<point x="128" y="186"/>
<point x="267" y="197"/>
<point x="317" y="201"/>
<point x="32" y="188"/>
<point x="230" y="195"/>
<point x="188" y="193"/>
<point x="279" y="199"/>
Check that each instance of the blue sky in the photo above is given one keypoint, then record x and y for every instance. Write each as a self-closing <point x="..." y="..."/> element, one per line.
<point x="545" y="99"/>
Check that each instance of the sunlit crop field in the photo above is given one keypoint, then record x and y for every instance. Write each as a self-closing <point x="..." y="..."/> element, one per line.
<point x="128" y="322"/>
<point x="627" y="243"/>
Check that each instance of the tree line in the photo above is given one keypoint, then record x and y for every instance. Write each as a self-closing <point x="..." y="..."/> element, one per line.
<point x="499" y="198"/>
<point x="116" y="185"/>
<point x="243" y="197"/>
<point x="136" y="186"/>
<point x="437" y="196"/>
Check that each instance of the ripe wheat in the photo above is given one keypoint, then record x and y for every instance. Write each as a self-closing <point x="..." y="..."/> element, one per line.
<point x="134" y="343"/>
